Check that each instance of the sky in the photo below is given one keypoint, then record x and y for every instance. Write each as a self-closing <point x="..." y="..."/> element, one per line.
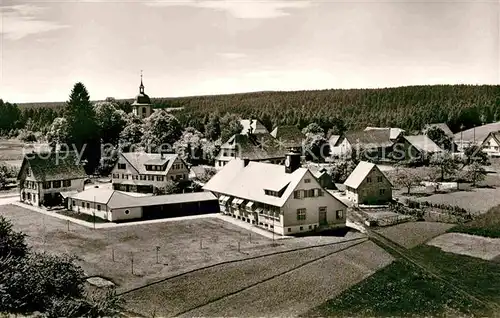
<point x="199" y="47"/>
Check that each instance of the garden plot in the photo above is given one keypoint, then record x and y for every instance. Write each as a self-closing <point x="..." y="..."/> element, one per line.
<point x="470" y="245"/>
<point x="297" y="291"/>
<point x="475" y="201"/>
<point x="411" y="234"/>
<point x="182" y="293"/>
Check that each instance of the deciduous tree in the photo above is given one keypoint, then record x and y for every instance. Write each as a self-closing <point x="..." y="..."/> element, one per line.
<point x="161" y="131"/>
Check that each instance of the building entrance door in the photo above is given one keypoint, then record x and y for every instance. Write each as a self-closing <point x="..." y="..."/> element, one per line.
<point x="322" y="216"/>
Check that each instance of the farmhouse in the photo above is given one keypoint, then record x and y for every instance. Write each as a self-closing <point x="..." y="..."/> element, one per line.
<point x="368" y="185"/>
<point x="252" y="126"/>
<point x="44" y="176"/>
<point x="141" y="107"/>
<point x="414" y="147"/>
<point x="394" y="133"/>
<point x="491" y="144"/>
<point x="115" y="205"/>
<point x="322" y="176"/>
<point x="376" y="143"/>
<point x="289" y="137"/>
<point x="254" y="147"/>
<point x="147" y="172"/>
<point x="283" y="199"/>
<point x="475" y="135"/>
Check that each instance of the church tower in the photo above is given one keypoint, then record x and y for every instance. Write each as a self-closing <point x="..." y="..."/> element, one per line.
<point x="142" y="107"/>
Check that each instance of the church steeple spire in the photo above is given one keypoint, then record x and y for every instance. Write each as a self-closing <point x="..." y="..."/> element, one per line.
<point x="141" y="87"/>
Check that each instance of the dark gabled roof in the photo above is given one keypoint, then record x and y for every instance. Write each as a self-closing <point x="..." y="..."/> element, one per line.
<point x="290" y="136"/>
<point x="372" y="138"/>
<point x="256" y="146"/>
<point x="54" y="166"/>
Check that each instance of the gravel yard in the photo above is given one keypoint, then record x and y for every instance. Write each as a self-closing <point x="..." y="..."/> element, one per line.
<point x="470" y="245"/>
<point x="297" y="291"/>
<point x="179" y="243"/>
<point x="411" y="234"/>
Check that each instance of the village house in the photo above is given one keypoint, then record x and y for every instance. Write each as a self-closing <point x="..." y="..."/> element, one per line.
<point x="289" y="137"/>
<point x="252" y="126"/>
<point x="414" y="148"/>
<point x="283" y="199"/>
<point x="254" y="147"/>
<point x="368" y="185"/>
<point x="443" y="126"/>
<point x="43" y="177"/>
<point x="113" y="205"/>
<point x="491" y="144"/>
<point x="376" y="143"/>
<point x="147" y="172"/>
<point x="394" y="133"/>
<point x="141" y="107"/>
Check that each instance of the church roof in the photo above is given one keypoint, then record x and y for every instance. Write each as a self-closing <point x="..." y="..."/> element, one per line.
<point x="142" y="98"/>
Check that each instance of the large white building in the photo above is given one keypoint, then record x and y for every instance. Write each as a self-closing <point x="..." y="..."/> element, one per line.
<point x="284" y="199"/>
<point x="144" y="172"/>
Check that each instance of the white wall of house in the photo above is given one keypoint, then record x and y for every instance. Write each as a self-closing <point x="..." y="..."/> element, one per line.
<point x="290" y="218"/>
<point x="491" y="146"/>
<point x="341" y="150"/>
<point x="131" y="176"/>
<point x="142" y="111"/>
<point x="35" y="194"/>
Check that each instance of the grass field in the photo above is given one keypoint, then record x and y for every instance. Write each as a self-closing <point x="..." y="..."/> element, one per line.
<point x="12" y="150"/>
<point x="179" y="244"/>
<point x="301" y="289"/>
<point x="411" y="234"/>
<point x="402" y="289"/>
<point x="487" y="225"/>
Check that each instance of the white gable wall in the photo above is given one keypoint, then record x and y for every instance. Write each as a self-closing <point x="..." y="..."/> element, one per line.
<point x="312" y="205"/>
<point x="369" y="189"/>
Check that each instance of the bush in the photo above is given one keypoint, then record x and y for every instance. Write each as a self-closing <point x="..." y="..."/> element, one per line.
<point x="27" y="136"/>
<point x="38" y="282"/>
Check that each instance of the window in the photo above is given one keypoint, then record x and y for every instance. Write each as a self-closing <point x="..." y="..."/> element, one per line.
<point x="46" y="185"/>
<point x="88" y="205"/>
<point x="123" y="176"/>
<point x="320" y="193"/>
<point x="289" y="230"/>
<point x="310" y="227"/>
<point x="368" y="180"/>
<point x="296" y="194"/>
<point x="127" y="212"/>
<point x="301" y="214"/>
<point x="143" y="177"/>
<point x="301" y="228"/>
<point x="379" y="179"/>
<point x="150" y="178"/>
<point x="340" y="214"/>
<point x="382" y="191"/>
<point x="83" y="204"/>
<point x="307" y="180"/>
<point x="67" y="183"/>
<point x="159" y="178"/>
<point x="98" y="207"/>
<point x="28" y="172"/>
<point x="178" y="177"/>
<point x="122" y="166"/>
<point x="73" y="203"/>
<point x="56" y="184"/>
<point x="311" y="193"/>
<point x="144" y="110"/>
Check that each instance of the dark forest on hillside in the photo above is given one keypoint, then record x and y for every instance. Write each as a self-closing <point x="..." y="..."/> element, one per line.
<point x="409" y="108"/>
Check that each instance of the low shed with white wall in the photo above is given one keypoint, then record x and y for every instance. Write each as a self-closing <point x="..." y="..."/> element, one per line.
<point x="113" y="205"/>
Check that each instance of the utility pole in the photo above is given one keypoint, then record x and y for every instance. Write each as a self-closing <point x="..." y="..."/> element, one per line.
<point x="157" y="258"/>
<point x="461" y="137"/>
<point x="93" y="213"/>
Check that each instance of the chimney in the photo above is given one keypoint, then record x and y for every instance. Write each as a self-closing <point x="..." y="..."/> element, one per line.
<point x="292" y="162"/>
<point x="246" y="161"/>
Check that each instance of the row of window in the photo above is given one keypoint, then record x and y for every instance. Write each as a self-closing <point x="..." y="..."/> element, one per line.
<point x="302" y="213"/>
<point x="56" y="184"/>
<point x="176" y="166"/>
<point x="30" y="185"/>
<point x="311" y="193"/>
<point x="143" y="177"/>
<point x="369" y="179"/>
<point x="88" y="205"/>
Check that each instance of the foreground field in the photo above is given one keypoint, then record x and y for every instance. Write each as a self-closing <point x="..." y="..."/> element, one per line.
<point x="114" y="253"/>
<point x="411" y="234"/>
<point x="403" y="289"/>
<point x="300" y="289"/>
